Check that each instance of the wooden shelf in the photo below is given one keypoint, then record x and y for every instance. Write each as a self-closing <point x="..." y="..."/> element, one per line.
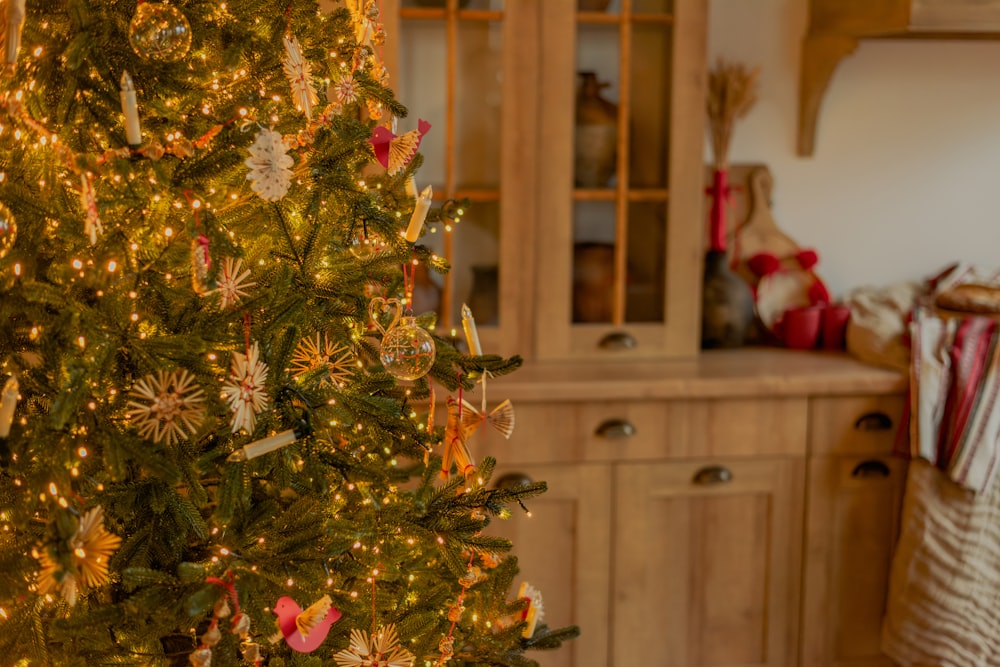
<point x="837" y="26"/>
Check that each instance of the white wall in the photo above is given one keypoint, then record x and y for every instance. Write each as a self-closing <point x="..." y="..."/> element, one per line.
<point x="906" y="173"/>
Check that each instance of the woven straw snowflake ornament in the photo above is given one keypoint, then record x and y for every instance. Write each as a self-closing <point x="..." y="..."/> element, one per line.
<point x="381" y="649"/>
<point x="299" y="73"/>
<point x="232" y="282"/>
<point x="245" y="391"/>
<point x="167" y="406"/>
<point x="92" y="547"/>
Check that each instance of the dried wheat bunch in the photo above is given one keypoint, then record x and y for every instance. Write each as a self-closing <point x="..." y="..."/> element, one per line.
<point x="732" y="91"/>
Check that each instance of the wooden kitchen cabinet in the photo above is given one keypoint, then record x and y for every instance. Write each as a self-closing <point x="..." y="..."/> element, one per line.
<point x="855" y="495"/>
<point x="499" y="81"/>
<point x="852" y="526"/>
<point x="564" y="550"/>
<point x="706" y="560"/>
<point x="745" y="516"/>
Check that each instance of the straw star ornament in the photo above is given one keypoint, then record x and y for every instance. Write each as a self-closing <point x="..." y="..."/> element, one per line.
<point x="233" y="283"/>
<point x="167" y="406"/>
<point x="313" y="353"/>
<point x="245" y="391"/>
<point x="381" y="649"/>
<point x="92" y="547"/>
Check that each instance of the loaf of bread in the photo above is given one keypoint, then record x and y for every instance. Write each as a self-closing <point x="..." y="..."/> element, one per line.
<point x="970" y="298"/>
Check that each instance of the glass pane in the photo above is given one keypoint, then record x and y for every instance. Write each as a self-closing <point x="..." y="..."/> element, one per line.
<point x="475" y="266"/>
<point x="494" y="5"/>
<point x="477" y="112"/>
<point x="650" y="105"/>
<point x="647" y="248"/>
<point x="595" y="142"/>
<point x="593" y="261"/>
<point x="422" y="80"/>
<point x="609" y="6"/>
<point x="652" y="6"/>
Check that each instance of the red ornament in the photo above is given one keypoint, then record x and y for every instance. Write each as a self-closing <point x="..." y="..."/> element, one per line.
<point x="305" y="630"/>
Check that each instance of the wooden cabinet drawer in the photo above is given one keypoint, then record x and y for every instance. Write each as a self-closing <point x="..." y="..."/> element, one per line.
<point x="683" y="429"/>
<point x="645" y="430"/>
<point x="543" y="433"/>
<point x="855" y="424"/>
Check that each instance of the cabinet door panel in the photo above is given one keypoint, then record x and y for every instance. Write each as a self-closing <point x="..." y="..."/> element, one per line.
<point x="853" y="523"/>
<point x="706" y="573"/>
<point x="564" y="550"/>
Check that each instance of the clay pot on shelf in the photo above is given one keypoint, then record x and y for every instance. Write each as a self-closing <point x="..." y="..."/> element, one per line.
<point x="596" y="140"/>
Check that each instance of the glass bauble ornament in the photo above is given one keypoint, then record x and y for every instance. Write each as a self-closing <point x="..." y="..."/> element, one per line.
<point x="8" y="230"/>
<point x="364" y="246"/>
<point x="407" y="350"/>
<point x="159" y="31"/>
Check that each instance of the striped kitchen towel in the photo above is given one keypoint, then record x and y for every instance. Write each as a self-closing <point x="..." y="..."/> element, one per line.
<point x="954" y="394"/>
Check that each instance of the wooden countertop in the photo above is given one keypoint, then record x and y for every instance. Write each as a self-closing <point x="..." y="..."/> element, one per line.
<point x="744" y="373"/>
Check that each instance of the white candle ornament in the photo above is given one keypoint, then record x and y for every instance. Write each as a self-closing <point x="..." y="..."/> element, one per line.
<point x="15" y="21"/>
<point x="7" y="404"/>
<point x="411" y="187"/>
<point x="419" y="215"/>
<point x="471" y="334"/>
<point x="261" y="447"/>
<point x="133" y="133"/>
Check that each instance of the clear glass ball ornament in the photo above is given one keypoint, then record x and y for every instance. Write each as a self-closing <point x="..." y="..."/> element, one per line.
<point x="407" y="350"/>
<point x="159" y="31"/>
<point x="8" y="230"/>
<point x="364" y="246"/>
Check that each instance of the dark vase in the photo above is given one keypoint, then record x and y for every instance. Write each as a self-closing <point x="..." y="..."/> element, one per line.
<point x="727" y="308"/>
<point x="727" y="305"/>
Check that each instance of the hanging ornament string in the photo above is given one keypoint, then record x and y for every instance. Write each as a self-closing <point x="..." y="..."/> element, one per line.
<point x="246" y="331"/>
<point x="409" y="269"/>
<point x="446" y="645"/>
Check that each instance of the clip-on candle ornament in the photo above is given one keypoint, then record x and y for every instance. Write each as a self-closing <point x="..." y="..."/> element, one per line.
<point x="15" y="22"/>
<point x="471" y="333"/>
<point x="419" y="215"/>
<point x="8" y="401"/>
<point x="133" y="132"/>
<point x="275" y="442"/>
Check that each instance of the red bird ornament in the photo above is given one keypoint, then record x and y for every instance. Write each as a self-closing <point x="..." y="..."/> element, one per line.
<point x="305" y="630"/>
<point x="395" y="152"/>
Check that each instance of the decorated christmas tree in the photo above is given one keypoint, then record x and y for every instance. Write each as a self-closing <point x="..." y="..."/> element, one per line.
<point x="217" y="437"/>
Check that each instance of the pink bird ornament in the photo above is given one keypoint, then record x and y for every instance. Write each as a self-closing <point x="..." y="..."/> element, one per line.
<point x="305" y="630"/>
<point x="395" y="152"/>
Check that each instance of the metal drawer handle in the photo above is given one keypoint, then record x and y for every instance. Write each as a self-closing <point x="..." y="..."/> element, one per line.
<point x="513" y="479"/>
<point x="616" y="428"/>
<point x="873" y="421"/>
<point x="618" y="340"/>
<point x="872" y="468"/>
<point x="712" y="475"/>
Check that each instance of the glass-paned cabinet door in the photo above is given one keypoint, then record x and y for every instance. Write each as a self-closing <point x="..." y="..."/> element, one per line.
<point x="620" y="196"/>
<point x="459" y="64"/>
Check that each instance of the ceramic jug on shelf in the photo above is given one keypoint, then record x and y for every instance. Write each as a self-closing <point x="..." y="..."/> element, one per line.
<point x="596" y="140"/>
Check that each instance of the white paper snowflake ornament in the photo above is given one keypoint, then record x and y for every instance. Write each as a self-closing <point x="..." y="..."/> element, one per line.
<point x="299" y="73"/>
<point x="270" y="165"/>
<point x="167" y="407"/>
<point x="244" y="391"/>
